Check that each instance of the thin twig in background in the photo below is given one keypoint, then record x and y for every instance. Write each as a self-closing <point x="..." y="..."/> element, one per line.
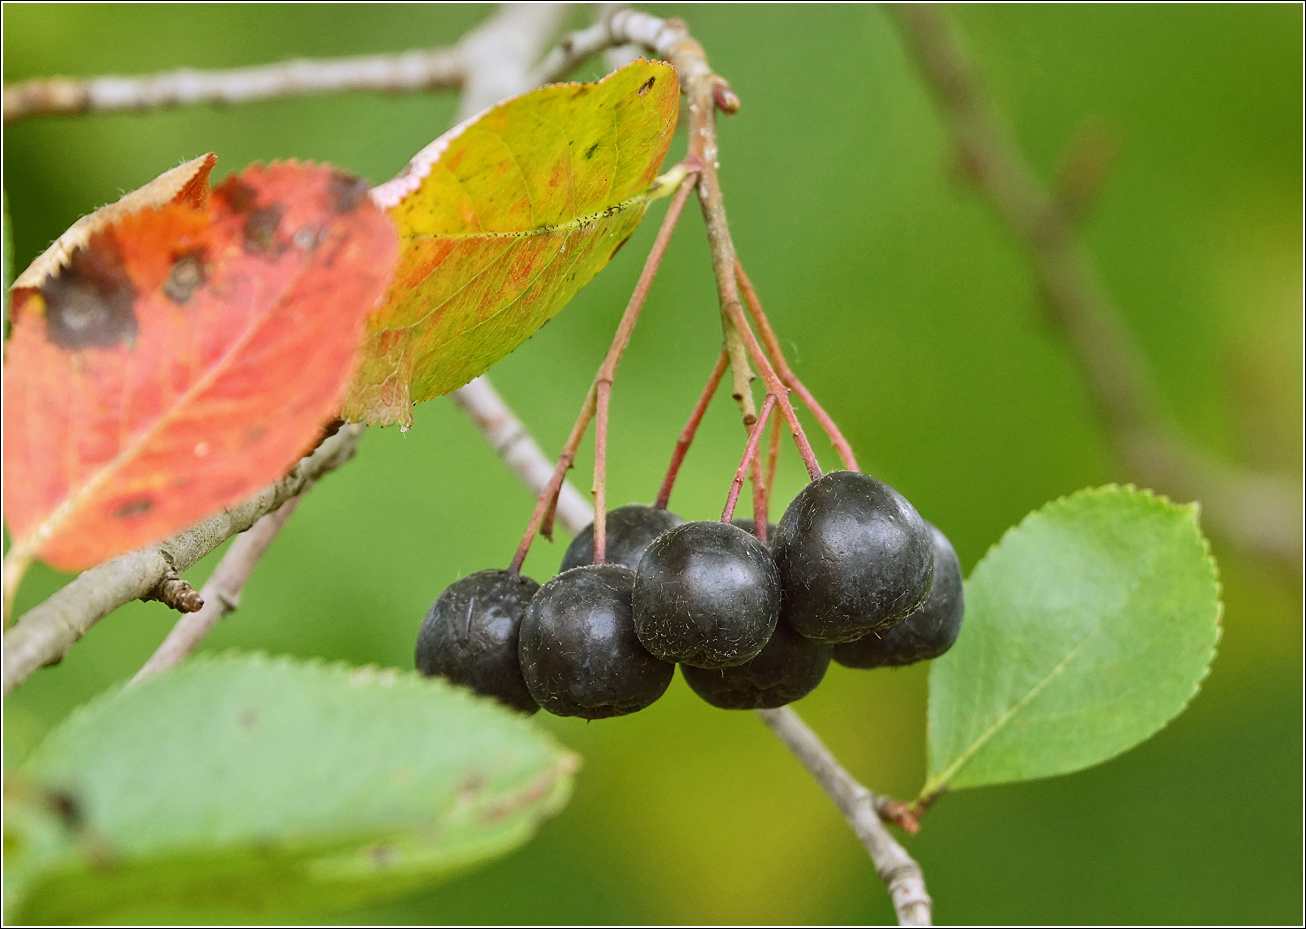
<point x="1256" y="511"/>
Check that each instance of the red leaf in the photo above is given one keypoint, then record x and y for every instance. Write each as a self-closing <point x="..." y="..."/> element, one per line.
<point x="183" y="357"/>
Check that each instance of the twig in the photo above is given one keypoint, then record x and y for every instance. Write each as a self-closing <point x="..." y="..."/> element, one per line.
<point x="781" y="365"/>
<point x="428" y="69"/>
<point x="761" y="501"/>
<point x="43" y="635"/>
<point x="175" y="592"/>
<point x="686" y="437"/>
<point x="1259" y="512"/>
<point x="899" y="871"/>
<point x="607" y="370"/>
<point x="772" y="458"/>
<point x="221" y="592"/>
<point x="734" y="312"/>
<point x="748" y="462"/>
<point x="514" y="36"/>
<point x="603" y="393"/>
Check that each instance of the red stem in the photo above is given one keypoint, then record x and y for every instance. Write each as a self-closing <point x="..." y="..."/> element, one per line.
<point x="774" y="386"/>
<point x="548" y="498"/>
<point x="601" y="473"/>
<point x="786" y="373"/>
<point x="691" y="428"/>
<point x="750" y="452"/>
<point x="542" y="517"/>
<point x="772" y="459"/>
<point x="761" y="490"/>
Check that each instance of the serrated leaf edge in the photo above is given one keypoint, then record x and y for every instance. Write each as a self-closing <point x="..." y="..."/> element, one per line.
<point x="936" y="784"/>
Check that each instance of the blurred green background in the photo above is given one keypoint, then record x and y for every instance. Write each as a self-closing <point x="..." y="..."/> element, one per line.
<point x="913" y="315"/>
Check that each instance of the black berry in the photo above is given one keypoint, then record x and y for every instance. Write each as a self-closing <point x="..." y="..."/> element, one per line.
<point x="631" y="529"/>
<point x="927" y="633"/>
<point x="788" y="668"/>
<point x="469" y="636"/>
<point x="854" y="557"/>
<point x="578" y="649"/>
<point x="706" y="594"/>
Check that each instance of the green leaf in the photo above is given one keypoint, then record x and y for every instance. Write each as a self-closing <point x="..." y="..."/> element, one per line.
<point x="1088" y="628"/>
<point x="269" y="784"/>
<point x="502" y="220"/>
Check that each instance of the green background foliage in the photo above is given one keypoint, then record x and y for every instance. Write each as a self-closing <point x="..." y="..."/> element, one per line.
<point x="912" y="313"/>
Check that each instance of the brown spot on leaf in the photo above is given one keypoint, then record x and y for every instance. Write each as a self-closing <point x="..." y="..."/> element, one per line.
<point x="248" y="719"/>
<point x="134" y="507"/>
<point x="89" y="303"/>
<point x="261" y="228"/>
<point x="186" y="277"/>
<point x="346" y="191"/>
<point x="471" y="787"/>
<point x="646" y="86"/>
<point x="589" y="152"/>
<point x="239" y="195"/>
<point x="67" y="808"/>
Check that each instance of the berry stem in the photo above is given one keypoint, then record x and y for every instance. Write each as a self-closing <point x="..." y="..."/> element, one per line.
<point x="548" y="497"/>
<point x="703" y="146"/>
<point x="542" y="517"/>
<point x="761" y="490"/>
<point x="691" y="428"/>
<point x="777" y="358"/>
<point x="774" y="386"/>
<point x="772" y="459"/>
<point x="750" y="453"/>
<point x="601" y="472"/>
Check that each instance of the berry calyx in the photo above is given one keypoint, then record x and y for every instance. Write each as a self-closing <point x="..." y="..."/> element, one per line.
<point x="926" y="633"/>
<point x="631" y="530"/>
<point x="706" y="594"/>
<point x="469" y="636"/>
<point x="788" y="668"/>
<point x="854" y="557"/>
<point x="579" y="654"/>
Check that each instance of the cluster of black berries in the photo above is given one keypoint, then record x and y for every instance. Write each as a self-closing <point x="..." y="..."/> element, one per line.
<point x="852" y="572"/>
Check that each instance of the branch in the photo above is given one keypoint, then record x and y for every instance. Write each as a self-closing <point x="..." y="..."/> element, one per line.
<point x="516" y="33"/>
<point x="861" y="808"/>
<point x="43" y="635"/>
<point x="406" y="72"/>
<point x="1259" y="512"/>
<point x="221" y="593"/>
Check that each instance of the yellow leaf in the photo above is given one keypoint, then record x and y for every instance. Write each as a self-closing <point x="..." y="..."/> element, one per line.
<point x="502" y="220"/>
